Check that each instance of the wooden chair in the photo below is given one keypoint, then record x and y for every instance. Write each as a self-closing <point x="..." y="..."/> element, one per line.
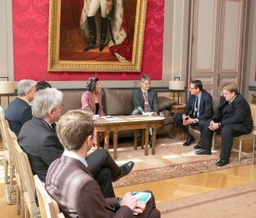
<point x="9" y="178"/>
<point x="247" y="136"/>
<point x="27" y="181"/>
<point x="19" y="186"/>
<point x="48" y="206"/>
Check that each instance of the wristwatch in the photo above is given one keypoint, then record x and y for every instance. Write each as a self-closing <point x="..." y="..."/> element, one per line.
<point x="196" y="120"/>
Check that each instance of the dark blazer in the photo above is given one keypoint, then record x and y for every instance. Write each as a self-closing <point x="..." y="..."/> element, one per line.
<point x="138" y="99"/>
<point x="205" y="107"/>
<point x="237" y="112"/>
<point x="17" y="113"/>
<point x="71" y="184"/>
<point x="43" y="148"/>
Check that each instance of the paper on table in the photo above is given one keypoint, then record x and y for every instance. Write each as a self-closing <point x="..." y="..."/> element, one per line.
<point x="110" y="118"/>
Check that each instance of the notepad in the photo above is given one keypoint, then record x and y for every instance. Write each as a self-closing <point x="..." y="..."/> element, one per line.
<point x="142" y="196"/>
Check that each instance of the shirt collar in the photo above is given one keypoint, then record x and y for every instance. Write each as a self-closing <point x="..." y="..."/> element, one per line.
<point x="75" y="156"/>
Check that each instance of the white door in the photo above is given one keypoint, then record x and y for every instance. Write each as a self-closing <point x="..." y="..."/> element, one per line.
<point x="217" y="42"/>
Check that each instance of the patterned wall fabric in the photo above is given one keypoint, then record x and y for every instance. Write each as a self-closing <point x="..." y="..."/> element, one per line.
<point x="30" y="35"/>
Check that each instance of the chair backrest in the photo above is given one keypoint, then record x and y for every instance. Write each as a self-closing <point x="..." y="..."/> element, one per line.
<point x="26" y="176"/>
<point x="6" y="138"/>
<point x="4" y="125"/>
<point x="253" y="112"/>
<point x="48" y="206"/>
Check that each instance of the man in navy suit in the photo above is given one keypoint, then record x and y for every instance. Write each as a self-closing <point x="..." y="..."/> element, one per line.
<point x="232" y="118"/>
<point x="19" y="110"/>
<point x="197" y="110"/>
<point x="40" y="142"/>
<point x="144" y="100"/>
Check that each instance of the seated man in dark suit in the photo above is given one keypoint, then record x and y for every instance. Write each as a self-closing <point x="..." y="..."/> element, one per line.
<point x="71" y="184"/>
<point x="42" y="85"/>
<point x="19" y="110"/>
<point x="232" y="118"/>
<point x="198" y="109"/>
<point x="144" y="100"/>
<point x="38" y="139"/>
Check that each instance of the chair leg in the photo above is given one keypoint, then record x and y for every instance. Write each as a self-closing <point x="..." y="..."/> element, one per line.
<point x="240" y="150"/>
<point x="253" y="149"/>
<point x="213" y="140"/>
<point x="18" y="200"/>
<point x="6" y="176"/>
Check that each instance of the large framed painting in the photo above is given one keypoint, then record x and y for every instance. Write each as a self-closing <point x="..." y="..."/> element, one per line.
<point x="96" y="35"/>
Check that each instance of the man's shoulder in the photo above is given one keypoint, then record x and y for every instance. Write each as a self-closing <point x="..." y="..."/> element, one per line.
<point x="152" y="91"/>
<point x="205" y="93"/>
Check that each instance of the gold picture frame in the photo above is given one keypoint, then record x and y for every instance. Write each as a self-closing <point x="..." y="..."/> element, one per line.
<point x="56" y="56"/>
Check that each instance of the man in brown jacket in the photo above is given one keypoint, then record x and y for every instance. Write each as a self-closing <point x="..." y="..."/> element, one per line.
<point x="72" y="185"/>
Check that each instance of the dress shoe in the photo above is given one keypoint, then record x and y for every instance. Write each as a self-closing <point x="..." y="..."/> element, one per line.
<point x="138" y="141"/>
<point x="124" y="170"/>
<point x="203" y="151"/>
<point x="189" y="141"/>
<point x="222" y="162"/>
<point x="198" y="146"/>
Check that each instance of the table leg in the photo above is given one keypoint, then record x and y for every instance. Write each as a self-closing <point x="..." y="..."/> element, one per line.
<point x="146" y="141"/>
<point x="135" y="139"/>
<point x="115" y="137"/>
<point x="154" y="140"/>
<point x="142" y="138"/>
<point x="106" y="140"/>
<point x="98" y="139"/>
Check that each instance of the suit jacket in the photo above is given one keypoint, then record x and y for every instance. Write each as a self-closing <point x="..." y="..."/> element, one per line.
<point x="88" y="102"/>
<point x="41" y="144"/>
<point x="205" y="106"/>
<point x="71" y="184"/>
<point x="138" y="99"/>
<point x="237" y="112"/>
<point x="17" y="113"/>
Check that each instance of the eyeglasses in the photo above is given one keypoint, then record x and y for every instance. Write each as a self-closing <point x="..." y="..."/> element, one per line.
<point x="147" y="84"/>
<point x="60" y="107"/>
<point x="191" y="88"/>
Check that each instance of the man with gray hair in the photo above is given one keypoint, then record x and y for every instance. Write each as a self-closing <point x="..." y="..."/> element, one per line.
<point x="19" y="110"/>
<point x="38" y="139"/>
<point x="144" y="100"/>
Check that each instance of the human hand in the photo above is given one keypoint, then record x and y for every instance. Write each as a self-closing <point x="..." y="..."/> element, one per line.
<point x="130" y="201"/>
<point x="140" y="207"/>
<point x="213" y="126"/>
<point x="187" y="120"/>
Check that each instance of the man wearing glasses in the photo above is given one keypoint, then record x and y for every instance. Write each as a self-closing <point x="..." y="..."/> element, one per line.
<point x="144" y="100"/>
<point x="198" y="109"/>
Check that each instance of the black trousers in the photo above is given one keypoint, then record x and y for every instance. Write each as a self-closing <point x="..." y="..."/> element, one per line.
<point x="178" y="120"/>
<point x="228" y="132"/>
<point x="104" y="169"/>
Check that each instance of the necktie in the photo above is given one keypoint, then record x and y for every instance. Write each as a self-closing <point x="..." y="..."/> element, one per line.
<point x="196" y="108"/>
<point x="145" y="101"/>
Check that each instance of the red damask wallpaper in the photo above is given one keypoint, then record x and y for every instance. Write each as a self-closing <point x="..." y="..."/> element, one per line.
<point x="30" y="35"/>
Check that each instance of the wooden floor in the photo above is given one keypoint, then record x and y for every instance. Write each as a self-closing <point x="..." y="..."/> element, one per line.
<point x="173" y="188"/>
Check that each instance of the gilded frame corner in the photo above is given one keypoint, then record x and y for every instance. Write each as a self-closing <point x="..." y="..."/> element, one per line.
<point x="55" y="64"/>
